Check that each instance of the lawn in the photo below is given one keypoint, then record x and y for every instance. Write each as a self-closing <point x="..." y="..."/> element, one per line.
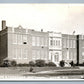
<point x="21" y="70"/>
<point x="40" y="72"/>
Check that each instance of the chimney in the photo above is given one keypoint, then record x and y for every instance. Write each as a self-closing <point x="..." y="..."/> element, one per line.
<point x="41" y="30"/>
<point x="3" y="24"/>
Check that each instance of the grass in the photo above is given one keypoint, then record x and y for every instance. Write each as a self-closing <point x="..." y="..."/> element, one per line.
<point x="25" y="70"/>
<point x="45" y="72"/>
<point x="38" y="69"/>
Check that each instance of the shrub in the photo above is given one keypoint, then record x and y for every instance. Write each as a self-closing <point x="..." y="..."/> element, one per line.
<point x="25" y="64"/>
<point x="62" y="63"/>
<point x="6" y="63"/>
<point x="31" y="63"/>
<point x="51" y="64"/>
<point x="40" y="63"/>
<point x="13" y="63"/>
<point x="22" y="65"/>
<point x="72" y="63"/>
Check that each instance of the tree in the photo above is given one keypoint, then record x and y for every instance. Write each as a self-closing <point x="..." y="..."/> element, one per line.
<point x="62" y="63"/>
<point x="40" y="63"/>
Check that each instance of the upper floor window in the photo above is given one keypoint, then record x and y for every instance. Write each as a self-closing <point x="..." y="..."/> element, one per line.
<point x="46" y="41"/>
<point x="74" y="44"/>
<point x="51" y="42"/>
<point x="64" y="43"/>
<point x="33" y="41"/>
<point x="19" y="39"/>
<point x="67" y="43"/>
<point x="71" y="43"/>
<point x="58" y="42"/>
<point x="24" y="38"/>
<point x="42" y="41"/>
<point x="54" y="42"/>
<point x="38" y="41"/>
<point x="14" y="38"/>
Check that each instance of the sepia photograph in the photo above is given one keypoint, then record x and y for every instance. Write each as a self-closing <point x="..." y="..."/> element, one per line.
<point x="42" y="41"/>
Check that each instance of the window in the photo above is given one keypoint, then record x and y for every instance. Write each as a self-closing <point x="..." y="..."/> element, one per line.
<point x="25" y="53"/>
<point x="74" y="56"/>
<point x="24" y="38"/>
<point x="74" y="44"/>
<point x="15" y="53"/>
<point x="82" y="55"/>
<point x="64" y="43"/>
<point x="64" y="54"/>
<point x="46" y="41"/>
<point x="42" y="41"/>
<point x="83" y="43"/>
<point x="19" y="39"/>
<point x="67" y="43"/>
<point x="14" y="38"/>
<point x="33" y="41"/>
<point x="71" y="43"/>
<point x="67" y="54"/>
<point x="56" y="43"/>
<point x="71" y="55"/>
<point x="19" y="53"/>
<point x="45" y="54"/>
<point x="51" y="57"/>
<point x="38" y="41"/>
<point x="42" y="54"/>
<point x="34" y="54"/>
<point x="56" y="57"/>
<point x="38" y="54"/>
<point x="51" y="42"/>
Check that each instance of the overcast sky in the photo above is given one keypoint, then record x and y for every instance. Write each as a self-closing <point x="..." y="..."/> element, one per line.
<point x="63" y="18"/>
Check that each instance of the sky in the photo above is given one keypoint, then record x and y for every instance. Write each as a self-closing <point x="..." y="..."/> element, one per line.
<point x="64" y="18"/>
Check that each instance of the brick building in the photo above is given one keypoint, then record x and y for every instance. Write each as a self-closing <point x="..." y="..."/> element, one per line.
<point x="69" y="48"/>
<point x="39" y="45"/>
<point x="80" y="49"/>
<point x="55" y="47"/>
<point x="22" y="45"/>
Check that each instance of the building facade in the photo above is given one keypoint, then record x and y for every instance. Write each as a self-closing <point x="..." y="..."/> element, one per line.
<point x="39" y="45"/>
<point x="16" y="44"/>
<point x="80" y="49"/>
<point x="24" y="45"/>
<point x="55" y="47"/>
<point x="69" y="48"/>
